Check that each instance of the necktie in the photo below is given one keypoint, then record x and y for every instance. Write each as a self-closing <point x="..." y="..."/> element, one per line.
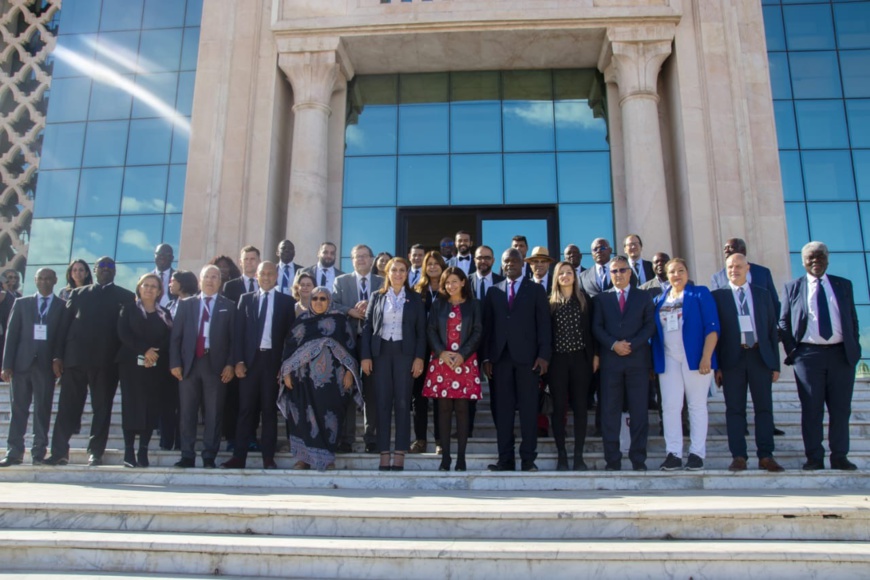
<point x="251" y="285"/>
<point x="414" y="275"/>
<point x="602" y="277"/>
<point x="200" y="339"/>
<point x="826" y="329"/>
<point x="464" y="258"/>
<point x="512" y="294"/>
<point x="748" y="337"/>
<point x="43" y="307"/>
<point x="637" y="269"/>
<point x="482" y="292"/>
<point x="622" y="300"/>
<point x="323" y="278"/>
<point x="364" y="293"/>
<point x="264" y="308"/>
<point x="285" y="279"/>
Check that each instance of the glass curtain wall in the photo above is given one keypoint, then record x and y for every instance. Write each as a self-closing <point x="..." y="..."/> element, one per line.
<point x="474" y="139"/>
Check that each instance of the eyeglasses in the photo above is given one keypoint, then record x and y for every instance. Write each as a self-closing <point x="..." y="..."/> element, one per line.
<point x="619" y="270"/>
<point x="319" y="299"/>
<point x="484" y="258"/>
<point x="106" y="265"/>
<point x="600" y="248"/>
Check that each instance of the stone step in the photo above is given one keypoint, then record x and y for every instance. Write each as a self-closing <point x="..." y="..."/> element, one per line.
<point x="316" y="557"/>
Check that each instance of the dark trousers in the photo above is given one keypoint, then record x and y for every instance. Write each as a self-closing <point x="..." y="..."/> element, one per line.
<point x="421" y="412"/>
<point x="824" y="378"/>
<point x="624" y="387"/>
<point x="517" y="386"/>
<point x="370" y="411"/>
<point x="75" y="382"/>
<point x="569" y="377"/>
<point x="168" y="419"/>
<point x="36" y="384"/>
<point x="202" y="387"/>
<point x="229" y="421"/>
<point x="750" y="371"/>
<point x="393" y="385"/>
<point x="258" y="393"/>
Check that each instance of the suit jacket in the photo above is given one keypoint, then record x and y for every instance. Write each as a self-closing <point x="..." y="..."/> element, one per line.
<point x="246" y="341"/>
<point x="454" y="261"/>
<point x="648" y="272"/>
<point x="185" y="330"/>
<point x="21" y="350"/>
<point x="474" y="280"/>
<point x="88" y="333"/>
<point x="636" y="325"/>
<point x="589" y="282"/>
<point x="524" y="330"/>
<point x="167" y="295"/>
<point x="794" y="316"/>
<point x="314" y="271"/>
<point x="764" y="317"/>
<point x="699" y="319"/>
<point x="345" y="295"/>
<point x="761" y="277"/>
<point x="296" y="269"/>
<point x="654" y="286"/>
<point x="234" y="289"/>
<point x="469" y="335"/>
<point x="413" y="325"/>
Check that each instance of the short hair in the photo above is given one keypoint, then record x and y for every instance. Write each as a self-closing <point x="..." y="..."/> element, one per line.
<point x="618" y="258"/>
<point x="676" y="261"/>
<point x="485" y="247"/>
<point x="462" y="232"/>
<point x="249" y="248"/>
<point x="519" y="238"/>
<point x="142" y="281"/>
<point x="208" y="267"/>
<point x="814" y="247"/>
<point x="459" y="273"/>
<point x="70" y="283"/>
<point x="324" y="244"/>
<point x="416" y="247"/>
<point x="187" y="280"/>
<point x="354" y="249"/>
<point x="639" y="241"/>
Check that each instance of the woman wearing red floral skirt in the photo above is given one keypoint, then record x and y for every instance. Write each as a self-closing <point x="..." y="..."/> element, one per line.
<point x="453" y="377"/>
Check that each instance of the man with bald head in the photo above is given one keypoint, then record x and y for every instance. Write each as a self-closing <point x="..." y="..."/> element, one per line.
<point x="201" y="357"/>
<point x="574" y="256"/>
<point x="596" y="279"/>
<point x="163" y="257"/>
<point x="758" y="275"/>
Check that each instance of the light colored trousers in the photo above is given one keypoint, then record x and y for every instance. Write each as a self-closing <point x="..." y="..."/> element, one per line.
<point x="678" y="381"/>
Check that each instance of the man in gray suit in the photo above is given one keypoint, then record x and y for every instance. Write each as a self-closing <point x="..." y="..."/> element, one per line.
<point x="350" y="295"/>
<point x="30" y="336"/>
<point x="201" y="358"/>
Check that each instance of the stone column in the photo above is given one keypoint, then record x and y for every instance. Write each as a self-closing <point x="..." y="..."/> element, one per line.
<point x="314" y="76"/>
<point x="632" y="61"/>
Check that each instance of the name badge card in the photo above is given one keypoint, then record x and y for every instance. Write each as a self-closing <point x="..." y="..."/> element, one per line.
<point x="745" y="323"/>
<point x="40" y="332"/>
<point x="205" y="327"/>
<point x="673" y="322"/>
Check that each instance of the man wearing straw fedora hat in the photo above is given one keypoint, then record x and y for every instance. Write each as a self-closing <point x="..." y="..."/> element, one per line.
<point x="541" y="264"/>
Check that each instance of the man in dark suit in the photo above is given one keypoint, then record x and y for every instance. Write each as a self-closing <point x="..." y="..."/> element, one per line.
<point x="350" y="295"/>
<point x="597" y="278"/>
<point x="263" y="319"/>
<point x="574" y="256"/>
<point x="521" y="244"/>
<point x="641" y="269"/>
<point x="463" y="258"/>
<point x="201" y="358"/>
<point x="818" y="327"/>
<point x="30" y="336"/>
<point x="517" y="349"/>
<point x="748" y="352"/>
<point x="659" y="283"/>
<point x="287" y="269"/>
<point x="416" y="253"/>
<point x="623" y="323"/>
<point x="483" y="262"/>
<point x="84" y="354"/>
<point x="249" y="260"/>
<point x="542" y="267"/>
<point x="163" y="257"/>
<point x="758" y="275"/>
<point x="324" y="271"/>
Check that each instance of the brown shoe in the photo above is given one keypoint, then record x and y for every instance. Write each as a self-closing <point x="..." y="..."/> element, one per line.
<point x="301" y="465"/>
<point x="739" y="464"/>
<point x="770" y="464"/>
<point x="418" y="446"/>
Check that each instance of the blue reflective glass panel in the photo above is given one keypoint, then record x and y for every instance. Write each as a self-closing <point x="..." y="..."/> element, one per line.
<point x="126" y="15"/>
<point x="809" y="27"/>
<point x="529" y="126"/>
<point x="56" y="193"/>
<point x="94" y="237"/>
<point x="194" y="13"/>
<point x="190" y="49"/>
<point x="864" y="208"/>
<point x="792" y="175"/>
<point x="374" y="132"/>
<point x="475" y="127"/>
<point x="475" y="180"/>
<point x="100" y="191"/>
<point x="79" y="16"/>
<point x="160" y="50"/>
<point x="127" y="275"/>
<point x="424" y="180"/>
<point x="172" y="230"/>
<point x="111" y="101"/>
<point x="798" y="230"/>
<point x="786" y="132"/>
<point x="375" y="227"/>
<point x="863" y="313"/>
<point x="62" y="146"/>
<point x="581" y="222"/>
<point x="821" y="124"/>
<point x="118" y="51"/>
<point x="856" y="79"/>
<point x="858" y="113"/>
<point x="498" y="234"/>
<point x="837" y="225"/>
<point x="853" y="267"/>
<point x="184" y="102"/>
<point x="828" y="175"/>
<point x="73" y="55"/>
<point x="423" y="128"/>
<point x="180" y="144"/>
<point x="163" y="14"/>
<point x="862" y="173"/>
<point x="105" y="144"/>
<point x="780" y="81"/>
<point x="369" y="181"/>
<point x="175" y="189"/>
<point x="773" y="28"/>
<point x="138" y="236"/>
<point x="69" y="100"/>
<point x="584" y="177"/>
<point x="150" y="140"/>
<point x="530" y="178"/>
<point x="815" y="75"/>
<point x="853" y="25"/>
<point x="797" y="268"/>
<point x="50" y="241"/>
<point x="577" y="128"/>
<point x="144" y="189"/>
<point x="155" y="94"/>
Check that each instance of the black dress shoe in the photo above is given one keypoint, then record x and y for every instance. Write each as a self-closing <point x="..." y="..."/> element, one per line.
<point x="502" y="467"/>
<point x="371" y="448"/>
<point x="562" y="461"/>
<point x="580" y="465"/>
<point x="383" y="468"/>
<point x="129" y="458"/>
<point x="344" y="448"/>
<point x="778" y="431"/>
<point x="613" y="466"/>
<point x="95" y="460"/>
<point x="528" y="466"/>
<point x="233" y="463"/>
<point x="9" y="461"/>
<point x="813" y="466"/>
<point x="460" y="464"/>
<point x="843" y="464"/>
<point x="57" y="460"/>
<point x="142" y="457"/>
<point x="185" y="462"/>
<point x="445" y="464"/>
<point x="638" y="465"/>
<point x="269" y="464"/>
<point x="209" y="464"/>
<point x="37" y="461"/>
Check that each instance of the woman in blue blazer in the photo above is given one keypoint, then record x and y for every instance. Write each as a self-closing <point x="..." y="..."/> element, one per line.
<point x="684" y="356"/>
<point x="393" y="347"/>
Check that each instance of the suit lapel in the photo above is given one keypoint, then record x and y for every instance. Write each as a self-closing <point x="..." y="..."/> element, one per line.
<point x="804" y="309"/>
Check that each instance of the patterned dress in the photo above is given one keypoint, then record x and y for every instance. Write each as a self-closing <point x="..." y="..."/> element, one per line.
<point x="463" y="382"/>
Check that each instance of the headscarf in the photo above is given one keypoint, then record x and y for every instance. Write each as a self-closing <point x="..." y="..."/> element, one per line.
<point x="329" y="306"/>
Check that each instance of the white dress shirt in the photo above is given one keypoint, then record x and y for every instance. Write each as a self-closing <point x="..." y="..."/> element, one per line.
<point x="464" y="264"/>
<point x="202" y="308"/>
<point x="165" y="277"/>
<point x="359" y="288"/>
<point x="487" y="284"/>
<point x="320" y="271"/>
<point x="266" y="341"/>
<point x="247" y="281"/>
<point x="39" y="298"/>
<point x="812" y="335"/>
<point x="286" y="278"/>
<point x="637" y="266"/>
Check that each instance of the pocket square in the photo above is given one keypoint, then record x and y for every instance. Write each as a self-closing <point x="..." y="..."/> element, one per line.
<point x="222" y="310"/>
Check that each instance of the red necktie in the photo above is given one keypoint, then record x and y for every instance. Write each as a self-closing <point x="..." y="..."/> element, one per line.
<point x="622" y="300"/>
<point x="200" y="339"/>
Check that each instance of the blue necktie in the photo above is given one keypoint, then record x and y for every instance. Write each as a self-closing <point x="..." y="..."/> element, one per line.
<point x="264" y="307"/>
<point x="826" y="329"/>
<point x="42" y="310"/>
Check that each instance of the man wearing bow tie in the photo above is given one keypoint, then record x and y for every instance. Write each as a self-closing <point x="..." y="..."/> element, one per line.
<point x="463" y="258"/>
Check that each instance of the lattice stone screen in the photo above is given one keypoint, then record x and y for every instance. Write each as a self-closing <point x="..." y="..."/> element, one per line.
<point x="28" y="37"/>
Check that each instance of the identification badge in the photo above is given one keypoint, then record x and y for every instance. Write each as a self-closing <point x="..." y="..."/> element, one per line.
<point x="205" y="327"/>
<point x="673" y="322"/>
<point x="40" y="332"/>
<point x="745" y="323"/>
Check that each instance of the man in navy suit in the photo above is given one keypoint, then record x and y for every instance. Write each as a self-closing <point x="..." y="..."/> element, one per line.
<point x="463" y="258"/>
<point x="641" y="269"/>
<point x="596" y="279"/>
<point x="748" y="352"/>
<point x="818" y="327"/>
<point x="623" y="323"/>
<point x="287" y="268"/>
<point x="758" y="275"/>
<point x="263" y="319"/>
<point x="481" y="280"/>
<point x="517" y="349"/>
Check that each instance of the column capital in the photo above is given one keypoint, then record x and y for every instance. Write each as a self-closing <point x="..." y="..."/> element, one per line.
<point x="632" y="58"/>
<point x="314" y="76"/>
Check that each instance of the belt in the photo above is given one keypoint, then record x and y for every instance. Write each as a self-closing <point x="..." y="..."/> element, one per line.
<point x="265" y="349"/>
<point x="824" y="346"/>
<point x="747" y="347"/>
